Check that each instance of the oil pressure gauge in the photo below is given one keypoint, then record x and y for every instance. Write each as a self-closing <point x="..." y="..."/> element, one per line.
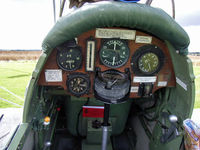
<point x="147" y="60"/>
<point x="69" y="58"/>
<point x="78" y="84"/>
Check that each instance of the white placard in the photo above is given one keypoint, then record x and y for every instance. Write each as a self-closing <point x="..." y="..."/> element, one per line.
<point x="143" y="39"/>
<point x="181" y="83"/>
<point x="53" y="75"/>
<point x="162" y="83"/>
<point x="115" y="33"/>
<point x="134" y="89"/>
<point x="144" y="79"/>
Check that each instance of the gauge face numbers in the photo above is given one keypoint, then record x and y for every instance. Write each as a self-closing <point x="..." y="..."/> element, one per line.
<point x="69" y="58"/>
<point x="114" y="53"/>
<point x="148" y="62"/>
<point x="78" y="84"/>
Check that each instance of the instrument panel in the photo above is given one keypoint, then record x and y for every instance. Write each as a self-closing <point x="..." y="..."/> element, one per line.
<point x="73" y="65"/>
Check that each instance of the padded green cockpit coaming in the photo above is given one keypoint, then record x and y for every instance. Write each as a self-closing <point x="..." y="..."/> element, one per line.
<point x="116" y="14"/>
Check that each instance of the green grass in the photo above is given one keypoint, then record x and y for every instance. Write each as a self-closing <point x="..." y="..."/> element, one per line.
<point x="197" y="86"/>
<point x="14" y="76"/>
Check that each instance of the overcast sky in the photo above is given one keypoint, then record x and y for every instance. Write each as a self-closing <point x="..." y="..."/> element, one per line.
<point x="24" y="23"/>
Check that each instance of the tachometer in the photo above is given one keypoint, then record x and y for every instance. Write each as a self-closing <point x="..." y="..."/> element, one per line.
<point x="69" y="58"/>
<point x="78" y="84"/>
<point x="114" y="53"/>
<point x="147" y="60"/>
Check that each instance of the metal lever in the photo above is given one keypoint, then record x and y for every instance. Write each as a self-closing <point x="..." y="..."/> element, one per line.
<point x="105" y="126"/>
<point x="109" y="84"/>
<point x="172" y="132"/>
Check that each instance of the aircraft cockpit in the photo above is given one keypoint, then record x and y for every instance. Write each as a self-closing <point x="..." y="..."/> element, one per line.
<point x="112" y="76"/>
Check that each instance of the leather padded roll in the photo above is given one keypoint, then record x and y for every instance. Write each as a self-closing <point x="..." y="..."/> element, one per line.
<point x="117" y="14"/>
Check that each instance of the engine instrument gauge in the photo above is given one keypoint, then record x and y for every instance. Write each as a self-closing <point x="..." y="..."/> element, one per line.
<point x="78" y="84"/>
<point x="90" y="59"/>
<point x="147" y="60"/>
<point x="69" y="58"/>
<point x="114" y="53"/>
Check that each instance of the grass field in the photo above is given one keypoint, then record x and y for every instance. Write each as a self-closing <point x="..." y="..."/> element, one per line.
<point x="15" y="75"/>
<point x="197" y="86"/>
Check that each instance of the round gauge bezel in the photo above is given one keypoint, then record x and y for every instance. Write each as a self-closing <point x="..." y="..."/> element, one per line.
<point x="104" y="41"/>
<point x="66" y="49"/>
<point x="78" y="75"/>
<point x="141" y="51"/>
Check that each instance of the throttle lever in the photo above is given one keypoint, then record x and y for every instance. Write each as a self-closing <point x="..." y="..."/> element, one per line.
<point x="172" y="132"/>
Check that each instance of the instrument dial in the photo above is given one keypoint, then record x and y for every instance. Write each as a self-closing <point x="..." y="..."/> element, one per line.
<point x="114" y="53"/>
<point x="69" y="58"/>
<point x="78" y="84"/>
<point x="147" y="60"/>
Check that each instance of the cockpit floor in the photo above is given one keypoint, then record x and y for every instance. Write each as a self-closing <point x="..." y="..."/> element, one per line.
<point x="65" y="141"/>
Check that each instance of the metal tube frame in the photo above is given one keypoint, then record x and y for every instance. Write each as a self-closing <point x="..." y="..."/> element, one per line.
<point x="148" y="2"/>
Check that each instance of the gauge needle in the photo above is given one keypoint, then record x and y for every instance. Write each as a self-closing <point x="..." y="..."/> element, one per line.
<point x="70" y="64"/>
<point x="104" y="56"/>
<point x="113" y="61"/>
<point x="83" y="85"/>
<point x="149" y="66"/>
<point x="114" y="46"/>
